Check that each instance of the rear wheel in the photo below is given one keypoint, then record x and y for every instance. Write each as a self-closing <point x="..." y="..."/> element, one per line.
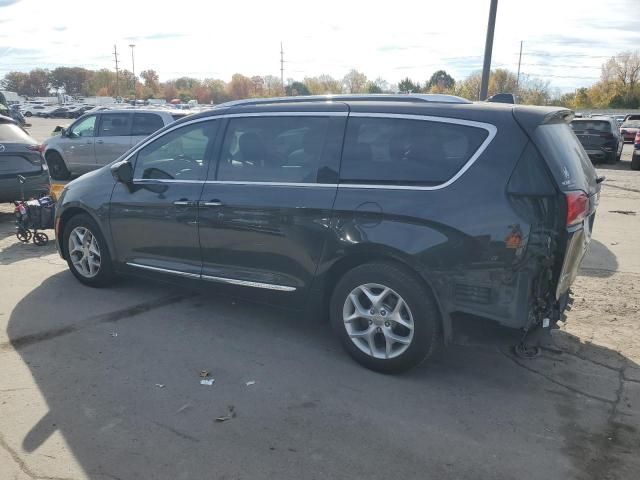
<point x="28" y="114"/>
<point x="86" y="252"/>
<point x="610" y="158"/>
<point x="57" y="168"/>
<point x="635" y="162"/>
<point x="387" y="321"/>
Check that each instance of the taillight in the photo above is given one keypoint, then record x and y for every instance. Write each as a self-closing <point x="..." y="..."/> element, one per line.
<point x="37" y="148"/>
<point x="577" y="206"/>
<point x="637" y="140"/>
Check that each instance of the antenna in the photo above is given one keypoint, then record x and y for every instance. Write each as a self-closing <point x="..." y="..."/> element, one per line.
<point x="115" y="55"/>
<point x="281" y="66"/>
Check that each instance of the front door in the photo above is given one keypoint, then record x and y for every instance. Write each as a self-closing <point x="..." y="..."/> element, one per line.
<point x="264" y="218"/>
<point x="114" y="136"/>
<point x="78" y="144"/>
<point x="154" y="221"/>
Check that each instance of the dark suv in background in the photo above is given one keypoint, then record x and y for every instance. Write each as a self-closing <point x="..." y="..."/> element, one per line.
<point x="397" y="212"/>
<point x="600" y="138"/>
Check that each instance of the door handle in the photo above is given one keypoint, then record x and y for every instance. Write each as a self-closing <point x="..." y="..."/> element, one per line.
<point x="183" y="203"/>
<point x="212" y="203"/>
<point x="99" y="141"/>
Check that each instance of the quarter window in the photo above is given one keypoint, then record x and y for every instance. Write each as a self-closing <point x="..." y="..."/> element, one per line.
<point x="115" y="124"/>
<point x="274" y="149"/>
<point x="146" y="123"/>
<point x="180" y="154"/>
<point x="406" y="152"/>
<point x="84" y="128"/>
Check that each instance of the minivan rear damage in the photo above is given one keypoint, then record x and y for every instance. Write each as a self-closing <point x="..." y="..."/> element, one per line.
<point x="568" y="202"/>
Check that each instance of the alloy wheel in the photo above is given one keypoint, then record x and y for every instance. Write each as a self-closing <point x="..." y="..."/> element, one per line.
<point x="378" y="321"/>
<point x="84" y="251"/>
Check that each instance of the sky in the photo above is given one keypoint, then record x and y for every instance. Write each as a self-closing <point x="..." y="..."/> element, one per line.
<point x="565" y="41"/>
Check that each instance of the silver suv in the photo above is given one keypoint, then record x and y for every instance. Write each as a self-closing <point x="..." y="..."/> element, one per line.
<point x="97" y="139"/>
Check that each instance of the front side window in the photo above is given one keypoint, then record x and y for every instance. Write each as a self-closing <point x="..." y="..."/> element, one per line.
<point x="180" y="154"/>
<point x="397" y="151"/>
<point x="274" y="149"/>
<point x="146" y="123"/>
<point x="84" y="128"/>
<point x="115" y="124"/>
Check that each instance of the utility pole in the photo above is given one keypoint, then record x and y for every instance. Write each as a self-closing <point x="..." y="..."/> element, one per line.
<point x="133" y="69"/>
<point x="488" y="49"/>
<point x="281" y="66"/>
<point x="519" y="61"/>
<point x="115" y="55"/>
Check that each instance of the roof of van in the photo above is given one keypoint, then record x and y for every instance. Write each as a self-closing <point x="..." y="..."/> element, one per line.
<point x="418" y="104"/>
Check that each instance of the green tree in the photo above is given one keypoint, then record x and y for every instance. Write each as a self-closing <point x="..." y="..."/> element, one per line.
<point x="73" y="80"/>
<point x="297" y="88"/>
<point x="407" y="86"/>
<point x="441" y="81"/>
<point x="16" y="82"/>
<point x="373" y="88"/>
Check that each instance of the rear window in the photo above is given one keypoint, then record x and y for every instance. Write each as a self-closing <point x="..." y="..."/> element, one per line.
<point x="632" y="124"/>
<point x="14" y="134"/>
<point x="591" y="125"/>
<point x="569" y="163"/>
<point x="410" y="152"/>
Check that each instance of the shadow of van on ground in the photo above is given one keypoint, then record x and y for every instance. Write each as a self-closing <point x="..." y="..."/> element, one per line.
<point x="131" y="405"/>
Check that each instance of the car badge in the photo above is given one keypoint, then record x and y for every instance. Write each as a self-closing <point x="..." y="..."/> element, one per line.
<point x="2" y="148"/>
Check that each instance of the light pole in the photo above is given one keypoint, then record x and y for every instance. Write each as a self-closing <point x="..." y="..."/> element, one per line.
<point x="133" y="68"/>
<point x="488" y="48"/>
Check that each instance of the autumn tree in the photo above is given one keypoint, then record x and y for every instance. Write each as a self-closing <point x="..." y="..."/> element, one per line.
<point x="151" y="80"/>
<point x="16" y="82"/>
<point x="323" y="85"/>
<point x="240" y="87"/>
<point x="73" y="80"/>
<point x="355" y="82"/>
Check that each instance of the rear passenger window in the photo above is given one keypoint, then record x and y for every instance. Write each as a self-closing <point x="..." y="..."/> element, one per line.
<point x="146" y="123"/>
<point x="406" y="152"/>
<point x="274" y="149"/>
<point x="114" y="124"/>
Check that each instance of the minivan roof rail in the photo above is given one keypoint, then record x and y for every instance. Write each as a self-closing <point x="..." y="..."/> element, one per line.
<point x="378" y="97"/>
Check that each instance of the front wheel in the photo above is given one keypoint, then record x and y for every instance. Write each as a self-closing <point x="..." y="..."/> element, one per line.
<point x="87" y="252"/>
<point x="386" y="319"/>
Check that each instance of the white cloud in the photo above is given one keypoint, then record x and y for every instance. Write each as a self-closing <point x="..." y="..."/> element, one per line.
<point x="562" y="39"/>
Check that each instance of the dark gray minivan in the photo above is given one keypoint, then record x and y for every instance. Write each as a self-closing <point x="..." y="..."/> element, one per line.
<point x="395" y="212"/>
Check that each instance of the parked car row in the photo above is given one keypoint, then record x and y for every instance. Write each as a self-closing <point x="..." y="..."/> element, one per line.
<point x="394" y="214"/>
<point x="600" y="138"/>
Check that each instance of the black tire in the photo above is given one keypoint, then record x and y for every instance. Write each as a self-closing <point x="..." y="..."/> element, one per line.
<point x="40" y="239"/>
<point x="28" y="114"/>
<point x="105" y="274"/>
<point x="635" y="162"/>
<point x="610" y="159"/>
<point x="420" y="302"/>
<point x="57" y="168"/>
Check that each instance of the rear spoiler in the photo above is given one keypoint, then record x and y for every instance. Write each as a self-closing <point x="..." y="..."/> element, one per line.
<point x="529" y="118"/>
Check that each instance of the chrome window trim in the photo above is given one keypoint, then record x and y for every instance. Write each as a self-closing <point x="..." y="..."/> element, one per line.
<point x="245" y="283"/>
<point x="211" y="278"/>
<point x="163" y="270"/>
<point x="490" y="128"/>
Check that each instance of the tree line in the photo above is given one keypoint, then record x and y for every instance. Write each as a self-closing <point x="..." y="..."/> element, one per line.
<point x="618" y="86"/>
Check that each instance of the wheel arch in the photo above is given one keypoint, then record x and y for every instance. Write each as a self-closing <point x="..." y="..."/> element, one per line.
<point x="361" y="256"/>
<point x="66" y="216"/>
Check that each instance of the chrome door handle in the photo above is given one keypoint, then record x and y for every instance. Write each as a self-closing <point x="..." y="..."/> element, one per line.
<point x="183" y="203"/>
<point x="212" y="203"/>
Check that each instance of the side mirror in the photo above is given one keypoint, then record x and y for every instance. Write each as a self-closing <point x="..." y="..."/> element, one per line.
<point x="122" y="172"/>
<point x="63" y="132"/>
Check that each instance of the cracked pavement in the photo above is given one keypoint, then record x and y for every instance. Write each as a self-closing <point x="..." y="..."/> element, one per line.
<point x="79" y="402"/>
